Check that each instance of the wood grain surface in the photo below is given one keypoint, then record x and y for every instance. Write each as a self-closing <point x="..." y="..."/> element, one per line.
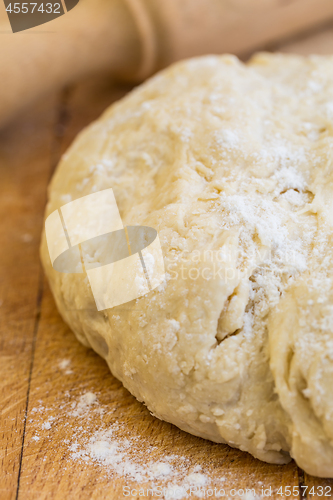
<point x="37" y="428"/>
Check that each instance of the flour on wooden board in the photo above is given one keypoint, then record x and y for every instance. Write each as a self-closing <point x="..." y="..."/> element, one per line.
<point x="126" y="457"/>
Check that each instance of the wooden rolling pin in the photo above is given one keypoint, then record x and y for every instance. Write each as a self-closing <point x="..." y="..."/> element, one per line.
<point x="134" y="38"/>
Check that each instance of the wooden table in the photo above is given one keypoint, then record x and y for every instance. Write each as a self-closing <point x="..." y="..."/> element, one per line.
<point x="35" y="384"/>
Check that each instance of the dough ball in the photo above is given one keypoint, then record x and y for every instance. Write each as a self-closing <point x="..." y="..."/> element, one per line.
<point x="232" y="165"/>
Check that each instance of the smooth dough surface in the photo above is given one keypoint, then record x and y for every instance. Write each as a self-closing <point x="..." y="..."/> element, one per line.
<point x="232" y="164"/>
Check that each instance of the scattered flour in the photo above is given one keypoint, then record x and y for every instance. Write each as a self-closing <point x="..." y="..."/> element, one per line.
<point x="119" y="451"/>
<point x="82" y="407"/>
<point x="64" y="365"/>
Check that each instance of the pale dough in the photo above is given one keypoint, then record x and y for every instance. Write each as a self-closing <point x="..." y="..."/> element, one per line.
<point x="232" y="164"/>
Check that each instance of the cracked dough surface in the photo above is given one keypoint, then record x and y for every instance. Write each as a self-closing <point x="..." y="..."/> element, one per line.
<point x="232" y="164"/>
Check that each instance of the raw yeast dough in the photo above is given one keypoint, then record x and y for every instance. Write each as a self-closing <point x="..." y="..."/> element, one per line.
<point x="232" y="164"/>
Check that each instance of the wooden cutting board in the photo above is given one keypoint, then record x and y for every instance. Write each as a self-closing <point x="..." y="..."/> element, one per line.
<point x="43" y="368"/>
